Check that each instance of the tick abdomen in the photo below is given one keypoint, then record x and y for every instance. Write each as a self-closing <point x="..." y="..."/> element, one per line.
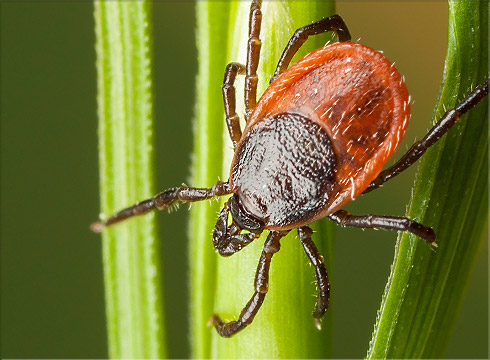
<point x="356" y="95"/>
<point x="284" y="170"/>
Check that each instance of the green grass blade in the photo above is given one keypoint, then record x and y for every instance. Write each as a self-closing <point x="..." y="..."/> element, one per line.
<point x="212" y="27"/>
<point x="131" y="261"/>
<point x="426" y="288"/>
<point x="225" y="285"/>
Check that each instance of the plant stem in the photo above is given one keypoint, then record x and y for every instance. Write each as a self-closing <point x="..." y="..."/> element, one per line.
<point x="212" y="24"/>
<point x="225" y="285"/>
<point x="426" y="288"/>
<point x="130" y="250"/>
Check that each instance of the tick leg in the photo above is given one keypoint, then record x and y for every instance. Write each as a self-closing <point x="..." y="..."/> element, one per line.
<point x="343" y="218"/>
<point x="271" y="246"/>
<point x="253" y="55"/>
<point x="163" y="201"/>
<point x="331" y="23"/>
<point x="227" y="240"/>
<point x="316" y="259"/>
<point x="229" y="99"/>
<point x="450" y="118"/>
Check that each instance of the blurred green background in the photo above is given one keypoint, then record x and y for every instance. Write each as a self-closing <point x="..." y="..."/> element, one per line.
<point x="52" y="302"/>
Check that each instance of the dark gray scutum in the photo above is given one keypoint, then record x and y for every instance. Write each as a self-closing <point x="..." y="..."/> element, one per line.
<point x="285" y="169"/>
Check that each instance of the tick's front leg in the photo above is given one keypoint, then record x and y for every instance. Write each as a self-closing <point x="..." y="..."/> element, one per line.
<point x="344" y="218"/>
<point x="316" y="259"/>
<point x="164" y="200"/>
<point x="261" y="284"/>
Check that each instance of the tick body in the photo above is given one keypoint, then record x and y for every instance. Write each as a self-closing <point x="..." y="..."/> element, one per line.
<point x="317" y="139"/>
<point x="319" y="135"/>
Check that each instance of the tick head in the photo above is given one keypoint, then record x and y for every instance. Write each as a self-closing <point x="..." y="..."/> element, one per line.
<point x="244" y="219"/>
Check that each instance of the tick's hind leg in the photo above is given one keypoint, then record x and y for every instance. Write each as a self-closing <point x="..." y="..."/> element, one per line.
<point x="253" y="56"/>
<point x="250" y="72"/>
<point x="164" y="200"/>
<point x="229" y="99"/>
<point x="343" y="218"/>
<point x="261" y="284"/>
<point x="316" y="259"/>
<point x="331" y="23"/>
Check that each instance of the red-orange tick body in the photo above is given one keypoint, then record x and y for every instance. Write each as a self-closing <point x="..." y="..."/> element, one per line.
<point x="329" y="123"/>
<point x="318" y="138"/>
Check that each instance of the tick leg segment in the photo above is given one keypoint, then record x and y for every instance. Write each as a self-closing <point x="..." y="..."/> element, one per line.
<point x="450" y="118"/>
<point x="253" y="55"/>
<point x="316" y="259"/>
<point x="229" y="99"/>
<point x="227" y="240"/>
<point x="331" y="23"/>
<point x="261" y="284"/>
<point x="343" y="218"/>
<point x="163" y="201"/>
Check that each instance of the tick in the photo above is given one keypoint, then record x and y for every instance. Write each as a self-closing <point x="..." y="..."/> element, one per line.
<point x="317" y="139"/>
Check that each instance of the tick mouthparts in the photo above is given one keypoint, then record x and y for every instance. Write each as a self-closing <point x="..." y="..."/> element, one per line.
<point x="318" y="324"/>
<point x="97" y="226"/>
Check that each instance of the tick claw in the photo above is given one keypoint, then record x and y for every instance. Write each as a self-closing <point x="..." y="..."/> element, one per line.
<point x="215" y="320"/>
<point x="97" y="226"/>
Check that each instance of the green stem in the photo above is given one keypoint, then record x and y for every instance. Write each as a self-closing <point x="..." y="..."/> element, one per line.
<point x="212" y="24"/>
<point x="131" y="263"/>
<point x="426" y="288"/>
<point x="225" y="285"/>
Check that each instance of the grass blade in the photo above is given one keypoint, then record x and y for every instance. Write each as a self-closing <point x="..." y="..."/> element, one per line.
<point x="212" y="25"/>
<point x="426" y="288"/>
<point x="131" y="263"/>
<point x="225" y="285"/>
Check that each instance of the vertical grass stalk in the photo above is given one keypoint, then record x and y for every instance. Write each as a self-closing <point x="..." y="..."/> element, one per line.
<point x="225" y="285"/>
<point x="130" y="250"/>
<point x="212" y="28"/>
<point x="426" y="288"/>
